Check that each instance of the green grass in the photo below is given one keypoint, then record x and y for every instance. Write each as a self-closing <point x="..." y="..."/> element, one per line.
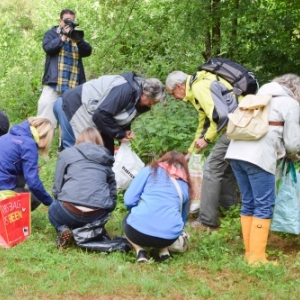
<point x="212" y="268"/>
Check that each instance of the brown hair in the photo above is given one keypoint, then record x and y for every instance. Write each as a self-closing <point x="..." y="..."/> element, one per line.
<point x="65" y="12"/>
<point x="176" y="159"/>
<point x="90" y="134"/>
<point x="45" y="131"/>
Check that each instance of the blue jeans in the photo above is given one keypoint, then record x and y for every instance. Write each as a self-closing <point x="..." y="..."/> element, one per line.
<point x="60" y="217"/>
<point x="68" y="137"/>
<point x="257" y="187"/>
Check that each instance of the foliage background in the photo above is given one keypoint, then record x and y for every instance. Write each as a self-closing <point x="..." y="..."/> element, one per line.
<point x="153" y="38"/>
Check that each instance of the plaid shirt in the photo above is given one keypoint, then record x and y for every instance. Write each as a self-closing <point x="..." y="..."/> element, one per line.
<point x="68" y="69"/>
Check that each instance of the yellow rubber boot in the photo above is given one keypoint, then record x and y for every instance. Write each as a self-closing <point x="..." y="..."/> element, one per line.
<point x="246" y="222"/>
<point x="258" y="241"/>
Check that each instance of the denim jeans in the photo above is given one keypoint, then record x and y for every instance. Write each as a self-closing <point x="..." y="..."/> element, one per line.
<point x="67" y="137"/>
<point x="60" y="217"/>
<point x="257" y="187"/>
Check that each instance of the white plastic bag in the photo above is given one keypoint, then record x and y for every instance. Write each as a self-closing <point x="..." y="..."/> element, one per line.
<point x="180" y="245"/>
<point x="127" y="165"/>
<point x="196" y="166"/>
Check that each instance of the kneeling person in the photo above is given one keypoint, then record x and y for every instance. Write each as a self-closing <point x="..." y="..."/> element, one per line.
<point x="158" y="200"/>
<point x="84" y="185"/>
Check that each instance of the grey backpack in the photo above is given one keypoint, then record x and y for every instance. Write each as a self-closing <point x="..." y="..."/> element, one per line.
<point x="242" y="80"/>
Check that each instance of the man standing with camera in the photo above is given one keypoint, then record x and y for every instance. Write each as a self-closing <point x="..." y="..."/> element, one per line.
<point x="64" y="47"/>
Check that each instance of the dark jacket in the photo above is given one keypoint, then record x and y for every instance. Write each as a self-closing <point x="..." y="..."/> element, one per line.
<point x="110" y="103"/>
<point x="19" y="157"/>
<point x="4" y="123"/>
<point x="52" y="44"/>
<point x="84" y="177"/>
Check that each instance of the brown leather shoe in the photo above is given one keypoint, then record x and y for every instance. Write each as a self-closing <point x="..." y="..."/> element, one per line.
<point x="63" y="238"/>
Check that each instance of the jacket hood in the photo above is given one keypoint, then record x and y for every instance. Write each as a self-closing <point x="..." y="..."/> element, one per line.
<point x="96" y="153"/>
<point x="22" y="129"/>
<point x="274" y="89"/>
<point x="135" y="82"/>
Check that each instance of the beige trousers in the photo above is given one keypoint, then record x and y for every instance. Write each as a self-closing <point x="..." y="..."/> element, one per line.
<point x="46" y="102"/>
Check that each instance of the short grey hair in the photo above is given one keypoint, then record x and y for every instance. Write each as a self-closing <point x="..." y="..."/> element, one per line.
<point x="290" y="81"/>
<point x="154" y="89"/>
<point x="176" y="77"/>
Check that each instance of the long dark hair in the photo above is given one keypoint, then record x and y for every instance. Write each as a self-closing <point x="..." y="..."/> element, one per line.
<point x="176" y="159"/>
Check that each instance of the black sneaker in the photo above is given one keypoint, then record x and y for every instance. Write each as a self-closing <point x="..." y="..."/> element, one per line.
<point x="142" y="256"/>
<point x="64" y="237"/>
<point x="164" y="257"/>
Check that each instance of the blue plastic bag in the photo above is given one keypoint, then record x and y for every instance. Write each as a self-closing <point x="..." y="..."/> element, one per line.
<point x="286" y="217"/>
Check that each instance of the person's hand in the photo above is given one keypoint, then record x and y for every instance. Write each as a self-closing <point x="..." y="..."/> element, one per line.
<point x="201" y="144"/>
<point x="64" y="32"/>
<point x="292" y="157"/>
<point x="188" y="156"/>
<point x="66" y="29"/>
<point x="130" y="134"/>
<point x="63" y="37"/>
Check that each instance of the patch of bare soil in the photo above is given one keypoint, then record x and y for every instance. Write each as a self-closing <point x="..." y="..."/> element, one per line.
<point x="289" y="244"/>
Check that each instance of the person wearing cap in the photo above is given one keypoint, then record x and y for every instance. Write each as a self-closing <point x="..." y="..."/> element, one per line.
<point x="109" y="103"/>
<point x="4" y="123"/>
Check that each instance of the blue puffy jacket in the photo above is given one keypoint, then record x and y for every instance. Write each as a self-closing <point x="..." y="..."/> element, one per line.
<point x="19" y="157"/>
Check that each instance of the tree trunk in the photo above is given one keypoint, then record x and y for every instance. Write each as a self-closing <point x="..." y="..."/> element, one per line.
<point x="207" y="53"/>
<point x="216" y="28"/>
<point x="234" y="23"/>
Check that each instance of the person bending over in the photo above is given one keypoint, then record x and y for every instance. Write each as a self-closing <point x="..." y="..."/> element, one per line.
<point x="254" y="163"/>
<point x="19" y="151"/>
<point x="213" y="98"/>
<point x="110" y="103"/>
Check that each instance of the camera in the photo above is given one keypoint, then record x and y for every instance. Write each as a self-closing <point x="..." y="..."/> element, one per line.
<point x="74" y="34"/>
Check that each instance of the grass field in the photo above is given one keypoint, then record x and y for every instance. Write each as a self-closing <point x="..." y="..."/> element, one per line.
<point x="212" y="268"/>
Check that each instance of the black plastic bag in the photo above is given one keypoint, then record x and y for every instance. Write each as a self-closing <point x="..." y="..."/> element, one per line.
<point x="94" y="237"/>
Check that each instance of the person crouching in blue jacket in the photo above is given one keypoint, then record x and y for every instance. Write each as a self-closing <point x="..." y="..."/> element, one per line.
<point x="157" y="215"/>
<point x="19" y="150"/>
<point x="84" y="186"/>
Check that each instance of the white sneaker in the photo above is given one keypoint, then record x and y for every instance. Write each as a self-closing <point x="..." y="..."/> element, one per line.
<point x="194" y="207"/>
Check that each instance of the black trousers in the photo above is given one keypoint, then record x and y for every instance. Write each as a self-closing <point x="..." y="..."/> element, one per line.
<point x="144" y="240"/>
<point x="20" y="188"/>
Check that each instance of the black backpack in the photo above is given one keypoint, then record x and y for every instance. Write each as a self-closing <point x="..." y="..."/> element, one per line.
<point x="242" y="80"/>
